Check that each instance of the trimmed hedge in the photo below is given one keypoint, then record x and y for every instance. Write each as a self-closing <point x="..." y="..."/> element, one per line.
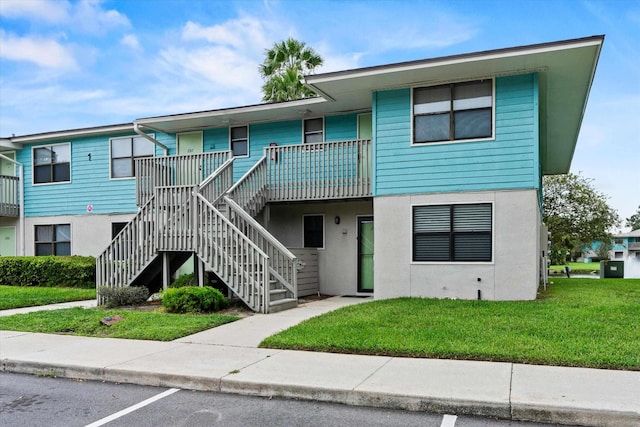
<point x="48" y="271"/>
<point x="193" y="299"/>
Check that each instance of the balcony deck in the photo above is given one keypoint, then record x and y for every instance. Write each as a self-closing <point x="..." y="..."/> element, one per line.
<point x="303" y="172"/>
<point x="9" y="196"/>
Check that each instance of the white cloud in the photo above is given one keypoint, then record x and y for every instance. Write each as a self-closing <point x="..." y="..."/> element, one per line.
<point x="131" y="41"/>
<point x="246" y="32"/>
<point x="41" y="51"/>
<point x="36" y="10"/>
<point x="89" y="16"/>
<point x="86" y="16"/>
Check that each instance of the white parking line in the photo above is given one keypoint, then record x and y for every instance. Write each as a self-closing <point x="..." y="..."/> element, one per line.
<point x="133" y="408"/>
<point x="449" y="421"/>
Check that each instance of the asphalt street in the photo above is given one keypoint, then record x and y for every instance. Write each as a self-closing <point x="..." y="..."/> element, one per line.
<point x="27" y="400"/>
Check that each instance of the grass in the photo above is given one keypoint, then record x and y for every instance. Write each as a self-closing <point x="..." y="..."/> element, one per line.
<point x="136" y="324"/>
<point x="576" y="322"/>
<point x="578" y="266"/>
<point x="19" y="296"/>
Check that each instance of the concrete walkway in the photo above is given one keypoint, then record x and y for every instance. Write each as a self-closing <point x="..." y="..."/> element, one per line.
<point x="226" y="359"/>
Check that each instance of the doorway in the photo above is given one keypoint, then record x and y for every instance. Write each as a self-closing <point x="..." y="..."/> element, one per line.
<point x="365" y="254"/>
<point x="7" y="241"/>
<point x="190" y="172"/>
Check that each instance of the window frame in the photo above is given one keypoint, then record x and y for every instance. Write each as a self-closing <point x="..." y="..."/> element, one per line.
<point x="53" y="242"/>
<point x="132" y="157"/>
<point x="452" y="111"/>
<point x="452" y="233"/>
<point x="33" y="164"/>
<point x="304" y="231"/>
<point x="231" y="141"/>
<point x="305" y="133"/>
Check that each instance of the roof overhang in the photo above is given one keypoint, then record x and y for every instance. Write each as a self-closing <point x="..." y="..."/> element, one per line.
<point x="291" y="110"/>
<point x="17" y="141"/>
<point x="7" y="144"/>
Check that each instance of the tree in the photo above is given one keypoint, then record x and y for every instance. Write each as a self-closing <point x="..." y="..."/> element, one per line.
<point x="576" y="214"/>
<point x="633" y="221"/>
<point x="283" y="69"/>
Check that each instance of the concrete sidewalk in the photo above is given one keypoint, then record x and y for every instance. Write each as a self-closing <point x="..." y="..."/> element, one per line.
<point x="227" y="359"/>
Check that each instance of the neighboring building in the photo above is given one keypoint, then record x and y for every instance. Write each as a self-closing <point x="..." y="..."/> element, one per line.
<point x="626" y="246"/>
<point x="440" y="159"/>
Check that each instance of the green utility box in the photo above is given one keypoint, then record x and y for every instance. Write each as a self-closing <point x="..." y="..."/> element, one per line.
<point x="611" y="269"/>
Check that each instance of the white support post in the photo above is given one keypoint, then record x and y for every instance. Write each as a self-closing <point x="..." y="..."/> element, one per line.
<point x="166" y="270"/>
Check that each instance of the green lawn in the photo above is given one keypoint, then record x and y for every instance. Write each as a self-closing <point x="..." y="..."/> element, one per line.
<point x="576" y="322"/>
<point x="19" y="296"/>
<point x="578" y="266"/>
<point x="136" y="324"/>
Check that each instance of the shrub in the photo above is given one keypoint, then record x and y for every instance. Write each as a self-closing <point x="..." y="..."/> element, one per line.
<point x="183" y="280"/>
<point x="193" y="299"/>
<point x="119" y="297"/>
<point x="48" y="271"/>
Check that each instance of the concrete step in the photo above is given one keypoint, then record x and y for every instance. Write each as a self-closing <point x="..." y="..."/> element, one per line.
<point x="283" y="304"/>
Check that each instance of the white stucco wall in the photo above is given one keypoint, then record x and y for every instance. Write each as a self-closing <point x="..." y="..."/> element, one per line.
<point x="338" y="260"/>
<point x="512" y="275"/>
<point x="90" y="234"/>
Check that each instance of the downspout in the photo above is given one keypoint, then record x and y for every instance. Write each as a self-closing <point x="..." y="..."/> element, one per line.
<point x="136" y="128"/>
<point x="21" y="201"/>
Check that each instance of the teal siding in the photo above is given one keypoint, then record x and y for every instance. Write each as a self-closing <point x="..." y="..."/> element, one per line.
<point x="510" y="161"/>
<point x="341" y="128"/>
<point x="90" y="181"/>
<point x="216" y="140"/>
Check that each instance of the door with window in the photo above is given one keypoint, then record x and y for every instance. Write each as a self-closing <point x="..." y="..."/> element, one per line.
<point x="365" y="254"/>
<point x="190" y="170"/>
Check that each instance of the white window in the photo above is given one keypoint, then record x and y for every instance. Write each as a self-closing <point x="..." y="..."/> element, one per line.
<point x="457" y="111"/>
<point x="53" y="239"/>
<point x="52" y="163"/>
<point x="452" y="233"/>
<point x="124" y="152"/>
<point x="239" y="140"/>
<point x="313" y="130"/>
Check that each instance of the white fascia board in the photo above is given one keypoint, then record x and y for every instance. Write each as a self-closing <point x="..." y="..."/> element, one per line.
<point x="66" y="134"/>
<point x="453" y="60"/>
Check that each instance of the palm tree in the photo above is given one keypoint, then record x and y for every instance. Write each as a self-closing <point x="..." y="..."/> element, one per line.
<point x="284" y="66"/>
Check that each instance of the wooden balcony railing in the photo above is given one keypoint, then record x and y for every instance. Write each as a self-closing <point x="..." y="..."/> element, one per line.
<point x="9" y="196"/>
<point x="319" y="171"/>
<point x="152" y="172"/>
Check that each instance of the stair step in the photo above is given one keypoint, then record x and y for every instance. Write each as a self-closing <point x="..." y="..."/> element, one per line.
<point x="283" y="304"/>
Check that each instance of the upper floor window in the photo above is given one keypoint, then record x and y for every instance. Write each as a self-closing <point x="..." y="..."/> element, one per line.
<point x="53" y="239"/>
<point x="239" y="136"/>
<point x="618" y="241"/>
<point x="458" y="233"/>
<point x="453" y="112"/>
<point x="52" y="163"/>
<point x="313" y="130"/>
<point x="124" y="151"/>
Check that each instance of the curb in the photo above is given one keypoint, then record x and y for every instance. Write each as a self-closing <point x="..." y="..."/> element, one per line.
<point x="518" y="412"/>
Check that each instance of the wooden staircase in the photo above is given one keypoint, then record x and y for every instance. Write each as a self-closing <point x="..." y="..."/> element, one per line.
<point x="180" y="220"/>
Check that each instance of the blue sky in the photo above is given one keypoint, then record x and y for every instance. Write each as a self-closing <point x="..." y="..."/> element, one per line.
<point x="68" y="64"/>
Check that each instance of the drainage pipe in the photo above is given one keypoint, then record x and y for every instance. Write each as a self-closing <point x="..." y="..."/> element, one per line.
<point x="136" y="128"/>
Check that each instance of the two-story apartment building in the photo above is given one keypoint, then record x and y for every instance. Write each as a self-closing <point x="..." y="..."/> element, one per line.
<point x="420" y="178"/>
